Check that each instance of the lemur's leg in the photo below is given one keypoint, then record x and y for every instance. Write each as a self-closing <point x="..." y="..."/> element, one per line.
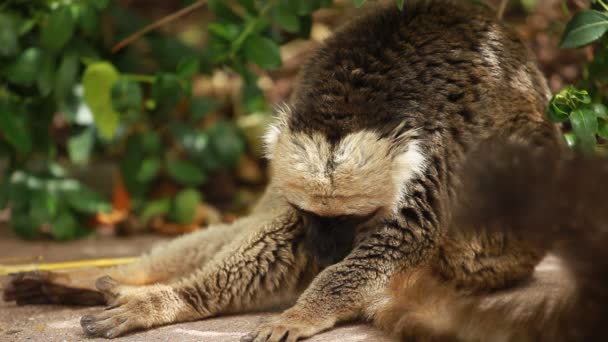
<point x="480" y="261"/>
<point x="163" y="263"/>
<point x="255" y="271"/>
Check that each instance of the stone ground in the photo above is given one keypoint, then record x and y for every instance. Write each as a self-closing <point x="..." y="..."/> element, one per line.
<point x="57" y="323"/>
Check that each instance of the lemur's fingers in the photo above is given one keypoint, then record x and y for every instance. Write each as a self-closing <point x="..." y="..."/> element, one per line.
<point x="289" y="327"/>
<point x="134" y="308"/>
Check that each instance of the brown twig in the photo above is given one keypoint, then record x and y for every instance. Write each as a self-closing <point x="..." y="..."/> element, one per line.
<point x="501" y="9"/>
<point x="171" y="17"/>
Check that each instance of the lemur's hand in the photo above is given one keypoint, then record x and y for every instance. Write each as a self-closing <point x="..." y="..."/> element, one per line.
<point x="290" y="326"/>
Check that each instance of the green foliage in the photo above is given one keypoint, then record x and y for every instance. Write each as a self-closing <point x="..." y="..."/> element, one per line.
<point x="98" y="81"/>
<point x="583" y="107"/>
<point x="586" y="27"/>
<point x="48" y="202"/>
<point x="65" y="98"/>
<point x="183" y="207"/>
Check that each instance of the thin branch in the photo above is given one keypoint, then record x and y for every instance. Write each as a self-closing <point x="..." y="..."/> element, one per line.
<point x="501" y="9"/>
<point x="171" y="17"/>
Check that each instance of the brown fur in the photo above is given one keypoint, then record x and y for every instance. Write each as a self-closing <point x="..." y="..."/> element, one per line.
<point x="547" y="200"/>
<point x="367" y="164"/>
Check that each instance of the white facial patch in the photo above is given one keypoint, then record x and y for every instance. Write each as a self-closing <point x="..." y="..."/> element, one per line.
<point x="273" y="131"/>
<point x="407" y="165"/>
<point x="361" y="173"/>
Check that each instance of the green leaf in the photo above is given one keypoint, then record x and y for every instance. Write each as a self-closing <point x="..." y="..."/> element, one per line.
<point x="22" y="225"/>
<point x="24" y="69"/>
<point x="98" y="80"/>
<point x="600" y="110"/>
<point x="286" y="19"/>
<point x="9" y="43"/>
<point x="166" y="90"/>
<point x="304" y="7"/>
<point x="101" y="4"/>
<point x="64" y="227"/>
<point x="249" y="5"/>
<point x="46" y="76"/>
<point x="86" y="201"/>
<point x="190" y="139"/>
<point x="570" y="139"/>
<point x="88" y="19"/>
<point x="358" y="3"/>
<point x="227" y="31"/>
<point x="529" y="5"/>
<point x="13" y="129"/>
<point x="201" y="106"/>
<point x="58" y="29"/>
<point x="262" y="51"/>
<point x="150" y="142"/>
<point x="222" y="11"/>
<point x="43" y="207"/>
<point x="558" y="112"/>
<point x="586" y="27"/>
<point x="399" y="4"/>
<point x="127" y="96"/>
<point x="185" y="172"/>
<point x="226" y="144"/>
<point x="602" y="129"/>
<point x="148" y="169"/>
<point x="188" y="66"/>
<point x="155" y="208"/>
<point x="67" y="74"/>
<point x="184" y="206"/>
<point x="81" y="145"/>
<point x="584" y="126"/>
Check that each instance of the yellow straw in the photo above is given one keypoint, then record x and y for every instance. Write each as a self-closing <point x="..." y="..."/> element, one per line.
<point x="5" y="269"/>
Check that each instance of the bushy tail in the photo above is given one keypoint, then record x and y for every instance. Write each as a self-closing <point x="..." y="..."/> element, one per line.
<point x="559" y="204"/>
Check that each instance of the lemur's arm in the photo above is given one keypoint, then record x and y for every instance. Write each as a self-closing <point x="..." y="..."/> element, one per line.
<point x="267" y="266"/>
<point x="163" y="263"/>
<point x="343" y="291"/>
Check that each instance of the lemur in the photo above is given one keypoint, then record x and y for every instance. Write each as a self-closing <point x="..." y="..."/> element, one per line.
<point x="379" y="208"/>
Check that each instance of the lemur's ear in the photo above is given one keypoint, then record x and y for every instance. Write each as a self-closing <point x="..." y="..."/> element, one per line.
<point x="279" y="125"/>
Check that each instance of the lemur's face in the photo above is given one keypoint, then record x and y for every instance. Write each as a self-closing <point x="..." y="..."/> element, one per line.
<point x="359" y="175"/>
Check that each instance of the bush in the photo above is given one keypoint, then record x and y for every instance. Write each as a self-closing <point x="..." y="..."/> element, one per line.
<point x="70" y="97"/>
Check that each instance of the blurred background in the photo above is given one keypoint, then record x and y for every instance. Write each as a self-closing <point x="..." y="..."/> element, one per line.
<point x="124" y="117"/>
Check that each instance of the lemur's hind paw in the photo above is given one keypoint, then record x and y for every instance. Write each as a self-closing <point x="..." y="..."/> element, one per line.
<point x="43" y="287"/>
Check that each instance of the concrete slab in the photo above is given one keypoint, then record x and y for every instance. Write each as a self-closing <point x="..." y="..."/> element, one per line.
<point x="60" y="323"/>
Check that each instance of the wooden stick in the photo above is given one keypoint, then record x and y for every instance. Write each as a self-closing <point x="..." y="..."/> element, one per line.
<point x="501" y="9"/>
<point x="4" y="269"/>
<point x="171" y="17"/>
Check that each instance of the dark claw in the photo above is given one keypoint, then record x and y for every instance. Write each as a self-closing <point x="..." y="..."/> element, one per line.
<point x="247" y="338"/>
<point x="110" y="334"/>
<point x="113" y="306"/>
<point x="86" y="320"/>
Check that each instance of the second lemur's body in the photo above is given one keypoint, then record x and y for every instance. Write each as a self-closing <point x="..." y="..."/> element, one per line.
<point x="366" y="158"/>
